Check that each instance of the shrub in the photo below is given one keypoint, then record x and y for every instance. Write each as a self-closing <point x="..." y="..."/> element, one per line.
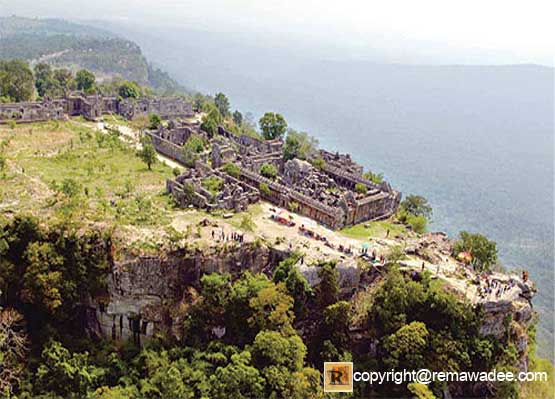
<point x="154" y="121"/>
<point x="418" y="223"/>
<point x="265" y="190"/>
<point x="247" y="223"/>
<point x="232" y="170"/>
<point x="213" y="184"/>
<point x="374" y="177"/>
<point x="268" y="170"/>
<point x="361" y="188"/>
<point x="319" y="163"/>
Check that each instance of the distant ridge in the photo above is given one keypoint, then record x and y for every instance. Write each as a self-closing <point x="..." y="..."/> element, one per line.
<point x="75" y="46"/>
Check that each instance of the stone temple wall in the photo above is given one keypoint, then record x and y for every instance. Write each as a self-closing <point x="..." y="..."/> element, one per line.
<point x="93" y="107"/>
<point x="166" y="107"/>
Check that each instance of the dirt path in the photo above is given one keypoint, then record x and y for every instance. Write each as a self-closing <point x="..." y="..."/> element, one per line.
<point x="134" y="136"/>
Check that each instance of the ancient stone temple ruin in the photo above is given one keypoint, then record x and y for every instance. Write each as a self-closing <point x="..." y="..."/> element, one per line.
<point x="92" y="107"/>
<point x="233" y="194"/>
<point x="326" y="194"/>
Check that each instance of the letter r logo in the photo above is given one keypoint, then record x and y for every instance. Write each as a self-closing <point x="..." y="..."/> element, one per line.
<point x="338" y="377"/>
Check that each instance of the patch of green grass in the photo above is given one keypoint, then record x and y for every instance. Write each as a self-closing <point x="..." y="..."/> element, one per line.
<point x="374" y="230"/>
<point x="114" y="184"/>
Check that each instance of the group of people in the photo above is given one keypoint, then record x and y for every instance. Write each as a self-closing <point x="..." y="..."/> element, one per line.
<point x="496" y="287"/>
<point x="233" y="236"/>
<point x="373" y="257"/>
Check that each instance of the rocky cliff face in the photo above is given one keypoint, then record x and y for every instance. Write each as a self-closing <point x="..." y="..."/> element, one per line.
<point x="511" y="319"/>
<point x="147" y="294"/>
<point x="142" y="290"/>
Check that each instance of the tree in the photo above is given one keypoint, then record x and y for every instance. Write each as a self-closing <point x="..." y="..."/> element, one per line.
<point x="238" y="118"/>
<point x="328" y="289"/>
<point x="44" y="78"/>
<point x="211" y="120"/>
<point x="405" y="348"/>
<point x="361" y="188"/>
<point x="85" y="80"/>
<point x="67" y="374"/>
<point x="129" y="89"/>
<point x="417" y="205"/>
<point x="237" y="380"/>
<point x="336" y="320"/>
<point x="304" y="384"/>
<point x="194" y="144"/>
<point x="295" y="282"/>
<point x="420" y="391"/>
<point x="273" y="126"/>
<point x="64" y="78"/>
<point x="483" y="251"/>
<point x="13" y="350"/>
<point x="154" y="121"/>
<point x="42" y="280"/>
<point x="272" y="310"/>
<point x="270" y="348"/>
<point x="418" y="223"/>
<point x="148" y="153"/>
<point x="238" y="310"/>
<point x="268" y="170"/>
<point x="16" y="81"/>
<point x="299" y="145"/>
<point x="222" y="103"/>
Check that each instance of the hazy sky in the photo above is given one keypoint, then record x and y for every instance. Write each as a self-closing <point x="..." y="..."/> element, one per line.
<point x="499" y="31"/>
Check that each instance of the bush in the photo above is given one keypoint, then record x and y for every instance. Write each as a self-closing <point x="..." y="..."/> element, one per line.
<point x="268" y="170"/>
<point x="154" y="121"/>
<point x="232" y="170"/>
<point x="176" y="171"/>
<point x="418" y="223"/>
<point x="129" y="89"/>
<point x="265" y="190"/>
<point x="247" y="223"/>
<point x="361" y="188"/>
<point x="374" y="177"/>
<point x="213" y="184"/>
<point x="195" y="144"/>
<point x="319" y="163"/>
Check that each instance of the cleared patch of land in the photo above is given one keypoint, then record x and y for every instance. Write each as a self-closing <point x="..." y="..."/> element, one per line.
<point x="64" y="169"/>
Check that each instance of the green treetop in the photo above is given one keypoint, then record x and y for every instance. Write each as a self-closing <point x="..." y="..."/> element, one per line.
<point x="273" y="126"/>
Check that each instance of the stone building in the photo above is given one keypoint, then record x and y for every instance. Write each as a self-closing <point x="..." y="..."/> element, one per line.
<point x="26" y="112"/>
<point x="234" y="194"/>
<point x="92" y="107"/>
<point x="166" y="107"/>
<point x="327" y="196"/>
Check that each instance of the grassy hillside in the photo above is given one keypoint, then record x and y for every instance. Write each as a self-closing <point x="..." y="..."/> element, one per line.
<point x="66" y="44"/>
<point x="59" y="169"/>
